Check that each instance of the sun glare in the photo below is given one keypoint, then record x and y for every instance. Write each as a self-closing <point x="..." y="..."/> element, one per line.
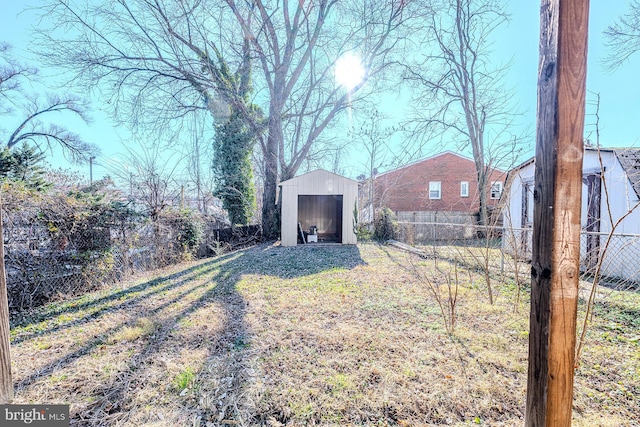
<point x="349" y="71"/>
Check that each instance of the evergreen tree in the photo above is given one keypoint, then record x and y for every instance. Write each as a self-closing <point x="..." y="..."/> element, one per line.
<point x="23" y="164"/>
<point x="6" y="162"/>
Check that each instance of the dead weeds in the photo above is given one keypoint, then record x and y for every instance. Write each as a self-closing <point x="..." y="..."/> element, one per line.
<point x="307" y="336"/>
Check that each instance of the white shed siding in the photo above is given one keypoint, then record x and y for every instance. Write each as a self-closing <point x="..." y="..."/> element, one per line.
<point x="289" y="218"/>
<point x="620" y="197"/>
<point x="316" y="183"/>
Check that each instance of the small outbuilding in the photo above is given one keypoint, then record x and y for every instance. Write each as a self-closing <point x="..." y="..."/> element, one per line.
<point x="318" y="207"/>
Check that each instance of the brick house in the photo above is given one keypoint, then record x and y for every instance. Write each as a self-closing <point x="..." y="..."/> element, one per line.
<point x="439" y="189"/>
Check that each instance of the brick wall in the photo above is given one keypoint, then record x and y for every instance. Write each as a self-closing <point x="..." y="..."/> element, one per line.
<point x="407" y="189"/>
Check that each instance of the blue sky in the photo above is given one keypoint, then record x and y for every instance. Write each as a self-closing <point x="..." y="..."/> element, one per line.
<point x="15" y="25"/>
<point x="619" y="91"/>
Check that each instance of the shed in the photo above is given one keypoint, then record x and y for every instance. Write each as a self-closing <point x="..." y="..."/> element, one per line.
<point x="319" y="203"/>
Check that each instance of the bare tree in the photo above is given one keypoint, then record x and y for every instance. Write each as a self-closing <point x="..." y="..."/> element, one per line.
<point x="374" y="139"/>
<point x="169" y="58"/>
<point x="35" y="122"/>
<point x="461" y="91"/>
<point x="623" y="37"/>
<point x="195" y="174"/>
<point x="297" y="50"/>
<point x="152" y="175"/>
<point x="443" y="284"/>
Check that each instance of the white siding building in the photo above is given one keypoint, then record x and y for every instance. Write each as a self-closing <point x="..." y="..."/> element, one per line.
<point x="610" y="183"/>
<point x="320" y="204"/>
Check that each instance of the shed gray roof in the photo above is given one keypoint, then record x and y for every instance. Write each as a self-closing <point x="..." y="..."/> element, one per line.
<point x="629" y="159"/>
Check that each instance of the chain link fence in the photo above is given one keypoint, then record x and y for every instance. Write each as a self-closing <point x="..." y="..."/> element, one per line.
<point x="58" y="246"/>
<point x="614" y="259"/>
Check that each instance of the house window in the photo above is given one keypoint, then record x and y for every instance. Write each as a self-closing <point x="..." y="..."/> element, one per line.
<point x="434" y="190"/>
<point x="464" y="189"/>
<point x="496" y="189"/>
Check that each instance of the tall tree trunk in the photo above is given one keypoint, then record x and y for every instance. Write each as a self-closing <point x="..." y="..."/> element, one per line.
<point x="270" y="218"/>
<point x="482" y="173"/>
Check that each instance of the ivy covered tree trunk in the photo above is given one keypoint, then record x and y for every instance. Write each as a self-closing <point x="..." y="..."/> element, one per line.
<point x="234" y="141"/>
<point x="232" y="165"/>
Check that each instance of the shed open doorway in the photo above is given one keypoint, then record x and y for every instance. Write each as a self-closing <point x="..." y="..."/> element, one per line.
<point x="322" y="214"/>
<point x="322" y="199"/>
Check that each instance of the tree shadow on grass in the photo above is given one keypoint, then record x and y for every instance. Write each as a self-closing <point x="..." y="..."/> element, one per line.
<point x="82" y="302"/>
<point x="304" y="260"/>
<point x="131" y="303"/>
<point x="30" y="327"/>
<point x="222" y="374"/>
<point x="118" y="400"/>
<point x="128" y="305"/>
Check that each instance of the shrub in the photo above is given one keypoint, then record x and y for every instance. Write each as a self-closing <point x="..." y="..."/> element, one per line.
<point x="386" y="225"/>
<point x="190" y="229"/>
<point x="364" y="232"/>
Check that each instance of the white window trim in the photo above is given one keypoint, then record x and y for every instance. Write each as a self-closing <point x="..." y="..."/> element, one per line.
<point x="499" y="184"/>
<point x="435" y="186"/>
<point x="464" y="188"/>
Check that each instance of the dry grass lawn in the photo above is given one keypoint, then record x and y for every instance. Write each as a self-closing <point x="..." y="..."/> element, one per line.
<point x="323" y="335"/>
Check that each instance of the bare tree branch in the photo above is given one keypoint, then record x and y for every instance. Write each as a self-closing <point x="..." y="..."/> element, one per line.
<point x="11" y="74"/>
<point x="623" y="37"/>
<point x="459" y="91"/>
<point x="36" y="114"/>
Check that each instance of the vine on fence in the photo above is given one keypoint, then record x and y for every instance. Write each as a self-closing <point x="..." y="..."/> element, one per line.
<point x="66" y="242"/>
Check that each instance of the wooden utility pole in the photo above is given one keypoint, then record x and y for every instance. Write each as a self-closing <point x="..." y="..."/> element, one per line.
<point x="555" y="265"/>
<point x="6" y="384"/>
